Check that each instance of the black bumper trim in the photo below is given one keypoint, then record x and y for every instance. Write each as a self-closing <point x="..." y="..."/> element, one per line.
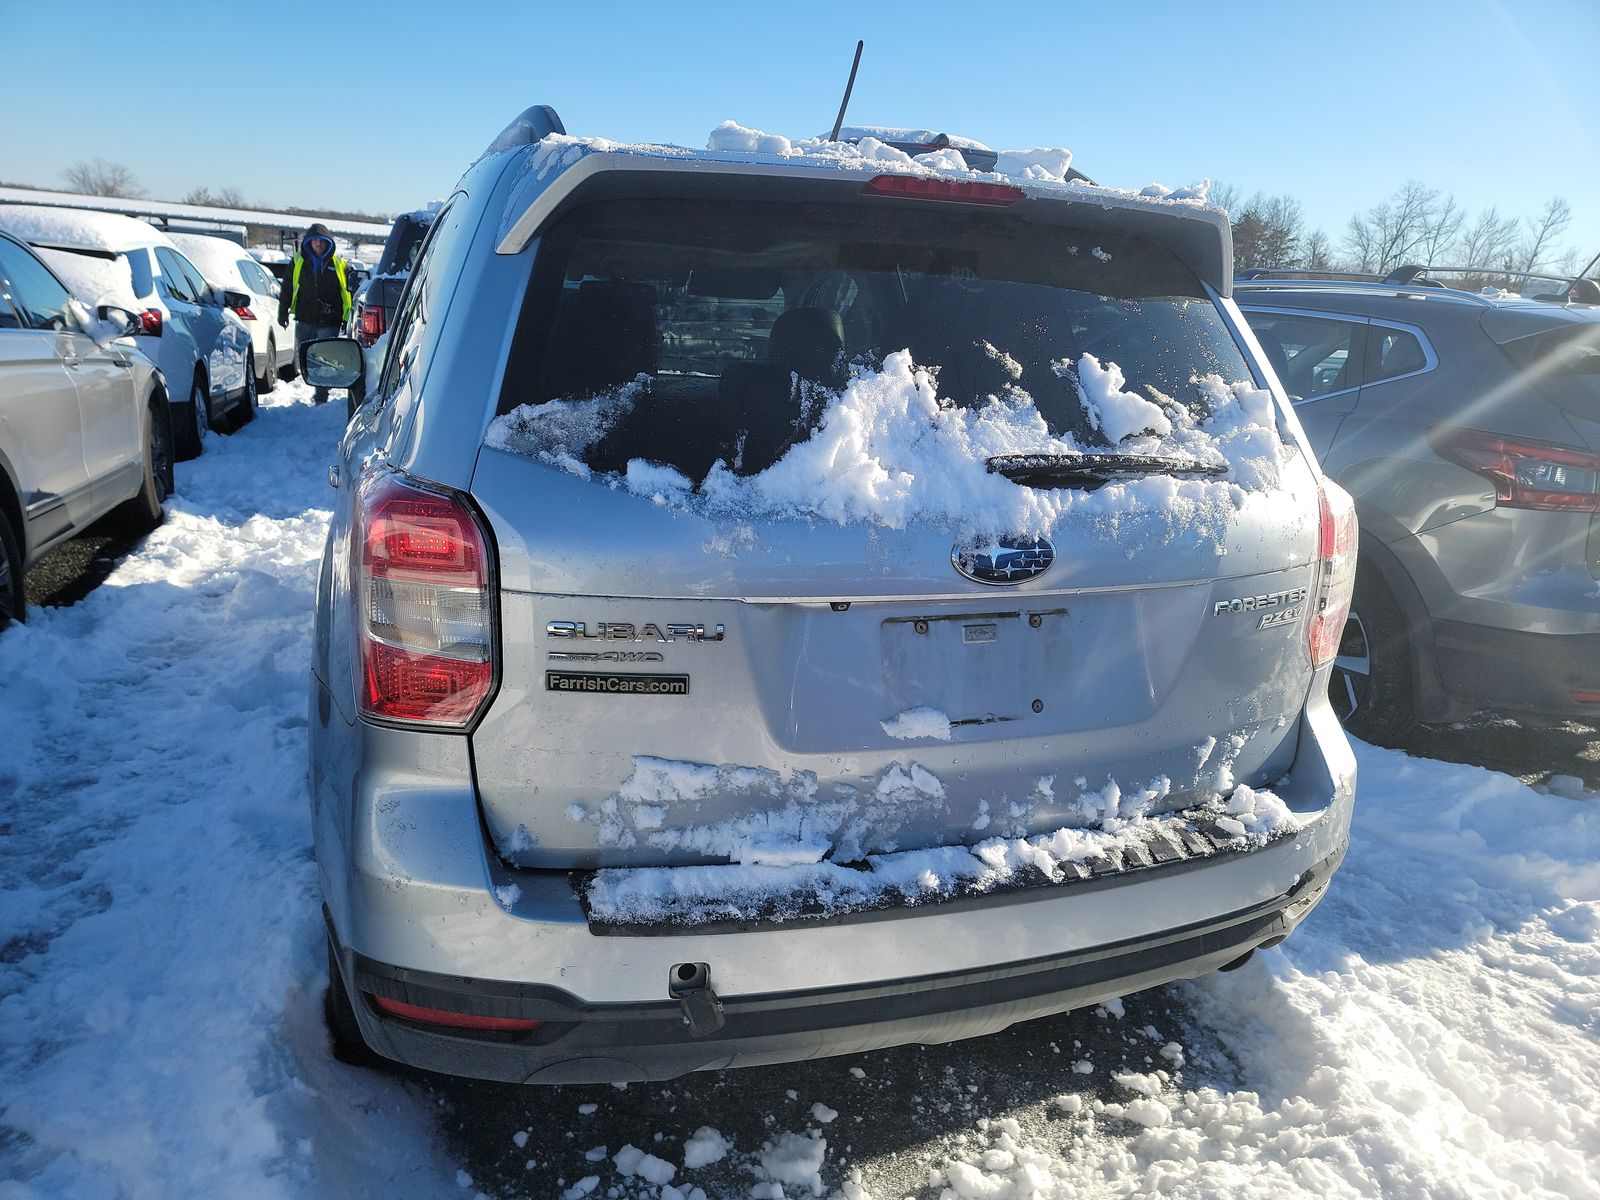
<point x="1516" y="671"/>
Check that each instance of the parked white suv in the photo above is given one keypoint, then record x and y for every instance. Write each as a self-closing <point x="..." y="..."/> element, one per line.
<point x="227" y="265"/>
<point x="203" y="350"/>
<point x="84" y="422"/>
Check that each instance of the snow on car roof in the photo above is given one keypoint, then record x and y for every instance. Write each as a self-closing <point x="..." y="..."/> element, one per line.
<point x="887" y="133"/>
<point x="217" y="258"/>
<point x="79" y="227"/>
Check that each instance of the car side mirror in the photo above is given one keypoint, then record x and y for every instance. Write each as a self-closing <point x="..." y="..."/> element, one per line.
<point x="331" y="362"/>
<point x="116" y="322"/>
<point x="233" y="299"/>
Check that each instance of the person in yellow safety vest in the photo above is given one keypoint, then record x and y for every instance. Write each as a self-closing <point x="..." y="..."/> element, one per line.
<point x="318" y="295"/>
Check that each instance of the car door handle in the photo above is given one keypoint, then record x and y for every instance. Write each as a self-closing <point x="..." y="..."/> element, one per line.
<point x="70" y="360"/>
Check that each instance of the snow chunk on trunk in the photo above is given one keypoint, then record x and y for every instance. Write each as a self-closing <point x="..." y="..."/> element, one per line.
<point x="919" y="722"/>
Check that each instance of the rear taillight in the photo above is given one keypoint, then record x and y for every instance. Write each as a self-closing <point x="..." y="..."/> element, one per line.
<point x="918" y="187"/>
<point x="244" y="314"/>
<point x="150" y="322"/>
<point x="453" y="1020"/>
<point x="1337" y="542"/>
<point x="425" y="587"/>
<point x="1524" y="474"/>
<point x="369" y="323"/>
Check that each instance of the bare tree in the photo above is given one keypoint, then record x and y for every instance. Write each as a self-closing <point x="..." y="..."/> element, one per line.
<point x="1224" y="195"/>
<point x="1316" y="252"/>
<point x="96" y="177"/>
<point x="1442" y="228"/>
<point x="225" y="197"/>
<point x="1539" y="245"/>
<point x="1489" y="241"/>
<point x="1397" y="230"/>
<point x="1266" y="229"/>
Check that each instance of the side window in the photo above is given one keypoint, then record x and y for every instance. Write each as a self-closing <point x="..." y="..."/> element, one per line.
<point x="1392" y="353"/>
<point x="411" y="319"/>
<point x="197" y="282"/>
<point x="10" y="318"/>
<point x="37" y="294"/>
<point x="256" y="276"/>
<point x="10" y="313"/>
<point x="1313" y="356"/>
<point x="172" y="276"/>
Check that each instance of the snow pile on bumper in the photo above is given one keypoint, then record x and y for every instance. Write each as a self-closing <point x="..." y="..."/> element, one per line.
<point x="749" y="892"/>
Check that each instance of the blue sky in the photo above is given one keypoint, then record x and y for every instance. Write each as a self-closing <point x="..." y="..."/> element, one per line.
<point x="381" y="107"/>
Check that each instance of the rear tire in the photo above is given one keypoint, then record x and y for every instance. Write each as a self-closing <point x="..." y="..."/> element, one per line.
<point x="194" y="427"/>
<point x="344" y="1031"/>
<point x="13" y="589"/>
<point x="269" y="379"/>
<point x="245" y="411"/>
<point x="144" y="512"/>
<point x="1373" y="685"/>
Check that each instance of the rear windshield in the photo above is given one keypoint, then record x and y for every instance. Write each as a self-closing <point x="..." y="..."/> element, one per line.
<point x="400" y="251"/>
<point x="1564" y="366"/>
<point x="717" y="331"/>
<point x="101" y="277"/>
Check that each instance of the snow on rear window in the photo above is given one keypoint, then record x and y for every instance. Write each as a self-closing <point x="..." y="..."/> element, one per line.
<point x="93" y="279"/>
<point x="720" y="357"/>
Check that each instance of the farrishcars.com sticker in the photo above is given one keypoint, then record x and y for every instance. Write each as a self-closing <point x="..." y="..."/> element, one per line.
<point x="611" y="684"/>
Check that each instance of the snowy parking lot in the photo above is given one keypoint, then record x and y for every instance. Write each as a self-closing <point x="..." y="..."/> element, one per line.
<point x="1432" y="1030"/>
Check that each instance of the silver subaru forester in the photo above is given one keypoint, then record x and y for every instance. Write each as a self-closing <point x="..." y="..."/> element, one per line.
<point x="782" y="605"/>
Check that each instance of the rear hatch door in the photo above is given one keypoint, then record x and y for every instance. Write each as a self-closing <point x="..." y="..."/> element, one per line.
<point x="775" y="586"/>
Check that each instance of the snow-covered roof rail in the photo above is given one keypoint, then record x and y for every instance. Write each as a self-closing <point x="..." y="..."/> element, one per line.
<point x="558" y="165"/>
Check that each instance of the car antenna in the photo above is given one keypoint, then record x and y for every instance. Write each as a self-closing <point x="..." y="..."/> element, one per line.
<point x="848" y="88"/>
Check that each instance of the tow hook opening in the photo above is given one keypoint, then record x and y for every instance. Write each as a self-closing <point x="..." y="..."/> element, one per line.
<point x="690" y="985"/>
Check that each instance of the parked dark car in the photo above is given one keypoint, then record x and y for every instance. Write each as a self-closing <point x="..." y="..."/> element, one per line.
<point x="1467" y="427"/>
<point x="375" y="301"/>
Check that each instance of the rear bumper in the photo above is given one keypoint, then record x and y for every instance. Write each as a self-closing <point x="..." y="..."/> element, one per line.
<point x="583" y="1043"/>
<point x="1488" y="667"/>
<point x="422" y="910"/>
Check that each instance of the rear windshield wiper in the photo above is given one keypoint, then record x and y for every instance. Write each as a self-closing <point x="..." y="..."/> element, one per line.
<point x="1092" y="470"/>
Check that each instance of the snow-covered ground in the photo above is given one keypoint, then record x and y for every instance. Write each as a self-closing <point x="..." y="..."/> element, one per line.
<point x="1433" y="1030"/>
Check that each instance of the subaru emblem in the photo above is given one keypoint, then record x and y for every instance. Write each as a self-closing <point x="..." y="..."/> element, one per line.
<point x="1001" y="561"/>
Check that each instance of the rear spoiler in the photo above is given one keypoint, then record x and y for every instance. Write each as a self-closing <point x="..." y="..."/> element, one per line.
<point x="1512" y="323"/>
<point x="1200" y="236"/>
